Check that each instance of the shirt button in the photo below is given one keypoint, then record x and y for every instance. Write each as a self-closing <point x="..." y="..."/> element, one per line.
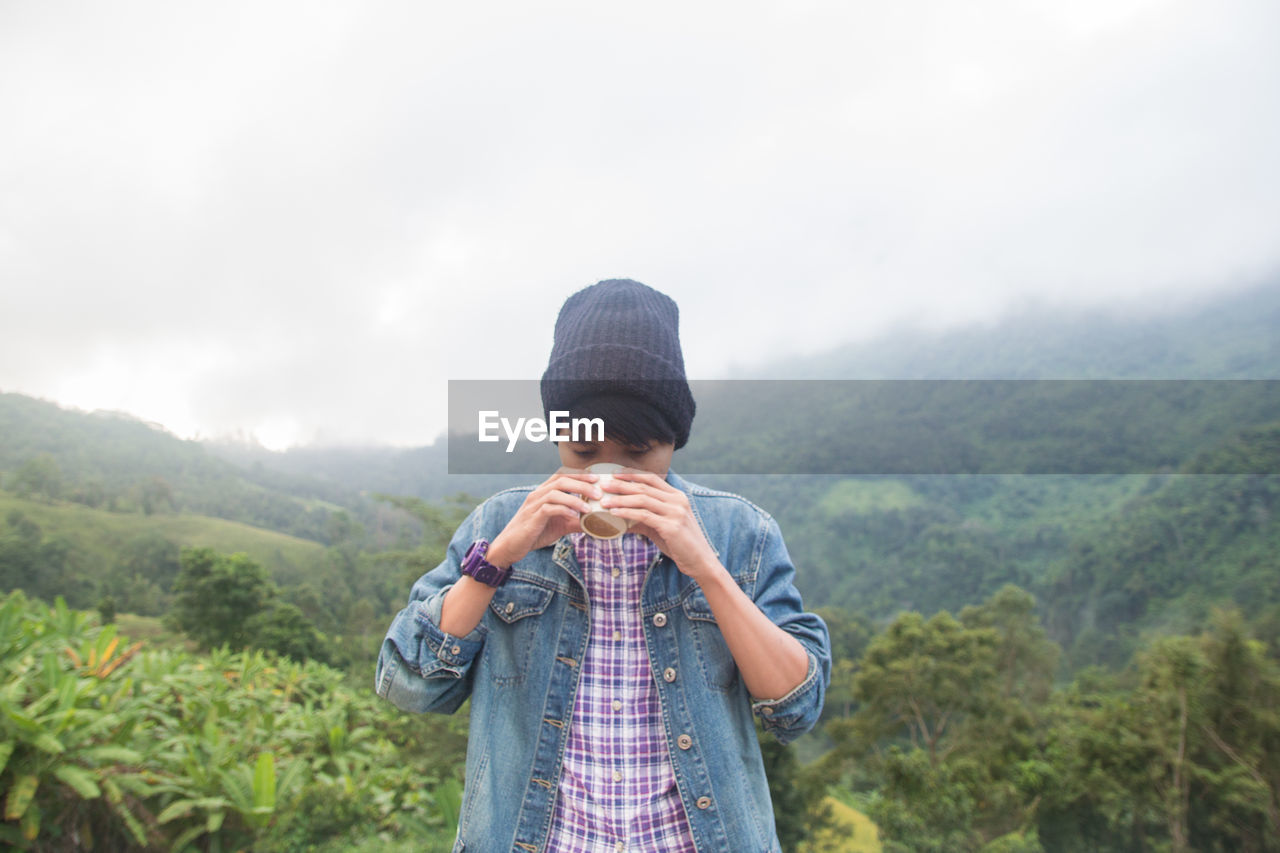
<point x="617" y="775"/>
<point x="617" y="704"/>
<point x="659" y="619"/>
<point x="669" y="674"/>
<point x="684" y="741"/>
<point x="617" y="635"/>
<point x="617" y="572"/>
<point x="619" y="847"/>
<point x="704" y="802"/>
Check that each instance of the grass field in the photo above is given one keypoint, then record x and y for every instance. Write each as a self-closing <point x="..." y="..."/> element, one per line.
<point x="867" y="494"/>
<point x="852" y="832"/>
<point x="104" y="534"/>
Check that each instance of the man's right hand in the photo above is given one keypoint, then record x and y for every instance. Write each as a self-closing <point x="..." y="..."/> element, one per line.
<point x="551" y="510"/>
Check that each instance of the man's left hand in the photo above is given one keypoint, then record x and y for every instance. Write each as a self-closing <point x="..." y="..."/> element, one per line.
<point x="661" y="512"/>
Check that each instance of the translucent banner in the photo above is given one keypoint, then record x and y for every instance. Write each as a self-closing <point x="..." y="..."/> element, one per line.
<point x="879" y="427"/>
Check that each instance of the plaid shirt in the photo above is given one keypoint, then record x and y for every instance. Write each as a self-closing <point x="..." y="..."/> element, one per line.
<point x="617" y="789"/>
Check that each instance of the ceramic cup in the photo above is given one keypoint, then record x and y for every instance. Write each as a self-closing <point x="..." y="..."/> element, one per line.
<point x="597" y="521"/>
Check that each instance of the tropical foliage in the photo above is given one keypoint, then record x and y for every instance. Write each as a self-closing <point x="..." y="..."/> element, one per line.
<point x="108" y="745"/>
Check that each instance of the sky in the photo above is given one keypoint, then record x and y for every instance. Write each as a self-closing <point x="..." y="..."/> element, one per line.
<point x="295" y="222"/>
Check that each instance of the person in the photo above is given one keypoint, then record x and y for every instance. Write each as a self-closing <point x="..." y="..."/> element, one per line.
<point x="614" y="684"/>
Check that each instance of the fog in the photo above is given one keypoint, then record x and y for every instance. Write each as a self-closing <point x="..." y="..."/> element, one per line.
<point x="295" y="222"/>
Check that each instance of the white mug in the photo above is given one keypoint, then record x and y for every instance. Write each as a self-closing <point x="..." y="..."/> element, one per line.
<point x="598" y="521"/>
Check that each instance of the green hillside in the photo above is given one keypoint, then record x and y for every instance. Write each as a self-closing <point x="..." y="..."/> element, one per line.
<point x="963" y="714"/>
<point x="1169" y="556"/>
<point x="116" y="462"/>
<point x="880" y="545"/>
<point x="101" y="534"/>
<point x="872" y="545"/>
<point x="64" y="548"/>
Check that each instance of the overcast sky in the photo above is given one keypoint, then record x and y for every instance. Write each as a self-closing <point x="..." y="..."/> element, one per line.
<point x="297" y="220"/>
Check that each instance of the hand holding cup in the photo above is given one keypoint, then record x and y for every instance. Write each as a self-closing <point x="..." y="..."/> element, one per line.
<point x="598" y="521"/>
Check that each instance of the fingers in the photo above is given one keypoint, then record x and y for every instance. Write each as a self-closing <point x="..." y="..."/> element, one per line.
<point x="570" y="483"/>
<point x="559" y="496"/>
<point x="646" y="499"/>
<point x="646" y="482"/>
<point x="637" y="500"/>
<point x="648" y="478"/>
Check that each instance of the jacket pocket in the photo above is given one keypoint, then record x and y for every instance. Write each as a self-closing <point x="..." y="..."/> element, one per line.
<point x="515" y="608"/>
<point x="718" y="666"/>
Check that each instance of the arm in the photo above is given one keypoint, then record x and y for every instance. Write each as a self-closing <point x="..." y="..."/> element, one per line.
<point x="771" y="661"/>
<point x="550" y="511"/>
<point x="775" y="593"/>
<point x="422" y="666"/>
<point x="426" y="659"/>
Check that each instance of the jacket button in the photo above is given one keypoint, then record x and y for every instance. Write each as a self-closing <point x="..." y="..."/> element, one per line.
<point x="704" y="802"/>
<point x="669" y="674"/>
<point x="511" y="606"/>
<point x="457" y="650"/>
<point x="659" y="619"/>
<point x="684" y="741"/>
<point x="767" y="710"/>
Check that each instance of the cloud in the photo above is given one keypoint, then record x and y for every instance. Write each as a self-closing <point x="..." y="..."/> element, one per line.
<point x="302" y="219"/>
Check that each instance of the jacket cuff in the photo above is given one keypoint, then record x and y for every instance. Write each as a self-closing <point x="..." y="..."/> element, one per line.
<point x="794" y="714"/>
<point x="454" y="653"/>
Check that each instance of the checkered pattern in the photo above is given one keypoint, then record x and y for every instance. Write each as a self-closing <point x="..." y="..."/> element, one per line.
<point x="617" y="790"/>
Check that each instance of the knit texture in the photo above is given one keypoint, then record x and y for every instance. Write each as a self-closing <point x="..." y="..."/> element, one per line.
<point x="620" y="338"/>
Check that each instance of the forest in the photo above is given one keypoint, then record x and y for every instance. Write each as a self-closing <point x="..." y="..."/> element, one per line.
<point x="1023" y="661"/>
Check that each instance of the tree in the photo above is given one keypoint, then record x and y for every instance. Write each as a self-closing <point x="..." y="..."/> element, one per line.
<point x="154" y="494"/>
<point x="925" y="677"/>
<point x="340" y="527"/>
<point x="215" y="595"/>
<point x="107" y="609"/>
<point x="1242" y="727"/>
<point x="42" y="567"/>
<point x="949" y="727"/>
<point x="39" y="476"/>
<point x="1186" y="757"/>
<point x="153" y="557"/>
<point x="850" y="634"/>
<point x="284" y="629"/>
<point x="1169" y="715"/>
<point x="798" y="794"/>
<point x="1025" y="656"/>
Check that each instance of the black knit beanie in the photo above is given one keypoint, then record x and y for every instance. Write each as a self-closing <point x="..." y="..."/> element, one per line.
<point x="620" y="338"/>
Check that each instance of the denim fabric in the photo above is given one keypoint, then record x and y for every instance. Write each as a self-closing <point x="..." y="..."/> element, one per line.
<point x="520" y="668"/>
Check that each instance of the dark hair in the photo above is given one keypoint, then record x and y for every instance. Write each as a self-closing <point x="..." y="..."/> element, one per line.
<point x="627" y="420"/>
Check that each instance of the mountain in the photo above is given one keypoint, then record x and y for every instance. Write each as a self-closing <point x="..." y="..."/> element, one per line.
<point x="1190" y="542"/>
<point x="1097" y="548"/>
<point x="1229" y="336"/>
<point x="114" y="461"/>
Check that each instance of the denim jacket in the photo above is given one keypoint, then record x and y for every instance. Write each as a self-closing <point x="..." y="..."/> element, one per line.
<point x="520" y="668"/>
